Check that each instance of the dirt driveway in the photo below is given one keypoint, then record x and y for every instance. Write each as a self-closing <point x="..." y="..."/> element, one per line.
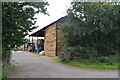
<point x="32" y="66"/>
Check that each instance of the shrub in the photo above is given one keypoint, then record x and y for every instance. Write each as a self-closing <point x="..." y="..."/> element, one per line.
<point x="105" y="60"/>
<point x="65" y="57"/>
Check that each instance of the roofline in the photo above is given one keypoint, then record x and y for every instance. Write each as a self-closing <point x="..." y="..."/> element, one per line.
<point x="53" y="22"/>
<point x="48" y="25"/>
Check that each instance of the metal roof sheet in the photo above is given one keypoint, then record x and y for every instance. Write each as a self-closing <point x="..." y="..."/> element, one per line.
<point x="40" y="33"/>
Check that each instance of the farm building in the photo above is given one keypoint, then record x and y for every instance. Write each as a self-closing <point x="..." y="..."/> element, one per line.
<point x="52" y="37"/>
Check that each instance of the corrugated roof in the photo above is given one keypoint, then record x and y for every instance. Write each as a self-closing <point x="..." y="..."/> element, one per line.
<point x="40" y="33"/>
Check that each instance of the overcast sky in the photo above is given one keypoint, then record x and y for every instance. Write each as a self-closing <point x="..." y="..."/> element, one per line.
<point x="56" y="9"/>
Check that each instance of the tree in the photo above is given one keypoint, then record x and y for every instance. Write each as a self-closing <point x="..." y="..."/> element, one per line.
<point x="92" y="29"/>
<point x="17" y="20"/>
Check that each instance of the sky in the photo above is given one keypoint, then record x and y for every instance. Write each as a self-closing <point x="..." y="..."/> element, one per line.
<point x="56" y="10"/>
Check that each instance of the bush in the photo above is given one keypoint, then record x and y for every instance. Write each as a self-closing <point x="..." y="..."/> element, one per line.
<point x="86" y="55"/>
<point x="65" y="57"/>
<point x="105" y="60"/>
<point x="78" y="53"/>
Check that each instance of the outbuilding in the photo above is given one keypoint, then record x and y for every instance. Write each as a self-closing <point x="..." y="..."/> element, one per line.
<point x="52" y="37"/>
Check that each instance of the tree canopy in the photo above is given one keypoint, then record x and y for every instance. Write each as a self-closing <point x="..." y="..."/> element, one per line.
<point x="92" y="30"/>
<point x="17" y="20"/>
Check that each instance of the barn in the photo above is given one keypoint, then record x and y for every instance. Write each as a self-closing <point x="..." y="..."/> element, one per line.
<point x="52" y="37"/>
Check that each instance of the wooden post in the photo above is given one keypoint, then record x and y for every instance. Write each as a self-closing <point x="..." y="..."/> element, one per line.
<point x="24" y="47"/>
<point x="32" y="44"/>
<point x="37" y="45"/>
<point x="28" y="42"/>
<point x="32" y="39"/>
<point x="56" y="40"/>
<point x="29" y="39"/>
<point x="37" y="40"/>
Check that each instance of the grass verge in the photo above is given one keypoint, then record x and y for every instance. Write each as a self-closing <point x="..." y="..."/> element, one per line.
<point x="43" y="55"/>
<point x="90" y="65"/>
<point x="7" y="70"/>
<point x="34" y="52"/>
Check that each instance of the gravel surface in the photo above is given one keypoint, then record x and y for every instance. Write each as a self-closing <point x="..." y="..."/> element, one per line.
<point x="33" y="66"/>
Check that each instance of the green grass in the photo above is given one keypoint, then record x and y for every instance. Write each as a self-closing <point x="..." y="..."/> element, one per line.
<point x="7" y="70"/>
<point x="34" y="52"/>
<point x="90" y="65"/>
<point x="43" y="55"/>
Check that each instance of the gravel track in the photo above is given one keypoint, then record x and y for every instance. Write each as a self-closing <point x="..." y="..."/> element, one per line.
<point x="32" y="66"/>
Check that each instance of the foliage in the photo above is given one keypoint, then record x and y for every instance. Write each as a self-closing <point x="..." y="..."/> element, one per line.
<point x="92" y="31"/>
<point x="104" y="60"/>
<point x="8" y="70"/>
<point x="89" y="65"/>
<point x="18" y="48"/>
<point x="17" y="20"/>
<point x="65" y="57"/>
